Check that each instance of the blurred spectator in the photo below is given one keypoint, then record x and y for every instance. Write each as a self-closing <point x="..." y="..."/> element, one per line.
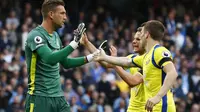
<point x="103" y="85"/>
<point x="38" y="16"/>
<point x="100" y="105"/>
<point x="5" y="43"/>
<point x="69" y="90"/>
<point x="123" y="86"/>
<point x="3" y="79"/>
<point x="189" y="101"/>
<point x="97" y="71"/>
<point x="5" y="94"/>
<point x="14" y="66"/>
<point x="195" y="108"/>
<point x="12" y="20"/>
<point x="27" y="12"/>
<point x="186" y="80"/>
<point x="108" y="108"/>
<point x="188" y="48"/>
<point x="24" y="36"/>
<point x="114" y="92"/>
<point x="178" y="39"/>
<point x="170" y="22"/>
<point x="122" y="106"/>
<point x="17" y="95"/>
<point x="74" y="106"/>
<point x="121" y="102"/>
<point x="110" y="76"/>
<point x="181" y="106"/>
<point x="78" y="80"/>
<point x="178" y="89"/>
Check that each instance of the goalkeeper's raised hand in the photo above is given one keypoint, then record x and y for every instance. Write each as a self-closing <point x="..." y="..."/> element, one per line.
<point x="78" y="33"/>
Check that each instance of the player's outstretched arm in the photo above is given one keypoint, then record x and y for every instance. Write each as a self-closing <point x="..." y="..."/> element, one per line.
<point x="74" y="62"/>
<point x="91" y="48"/>
<point x="51" y="57"/>
<point x="170" y="78"/>
<point x="131" y="80"/>
<point x="120" y="61"/>
<point x="86" y="43"/>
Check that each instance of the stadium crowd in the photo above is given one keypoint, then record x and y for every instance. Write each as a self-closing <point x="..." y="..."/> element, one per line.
<point x="91" y="87"/>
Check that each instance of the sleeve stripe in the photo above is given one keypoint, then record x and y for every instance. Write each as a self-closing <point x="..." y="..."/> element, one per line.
<point x="153" y="60"/>
<point x="135" y="64"/>
<point x="133" y="56"/>
<point x="164" y="60"/>
<point x="140" y="71"/>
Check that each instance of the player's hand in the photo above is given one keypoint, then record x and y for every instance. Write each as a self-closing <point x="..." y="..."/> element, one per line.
<point x="113" y="51"/>
<point x="84" y="40"/>
<point x="99" y="55"/>
<point x="78" y="33"/>
<point x="152" y="102"/>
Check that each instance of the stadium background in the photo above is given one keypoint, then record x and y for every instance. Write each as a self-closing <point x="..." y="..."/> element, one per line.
<point x="92" y="87"/>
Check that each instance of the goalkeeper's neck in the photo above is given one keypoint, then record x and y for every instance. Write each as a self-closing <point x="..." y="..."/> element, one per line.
<point x="48" y="26"/>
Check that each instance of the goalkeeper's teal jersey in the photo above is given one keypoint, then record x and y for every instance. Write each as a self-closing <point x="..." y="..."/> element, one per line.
<point x="43" y="78"/>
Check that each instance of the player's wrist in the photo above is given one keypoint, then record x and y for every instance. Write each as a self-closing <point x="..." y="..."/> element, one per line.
<point x="74" y="44"/>
<point x="87" y="43"/>
<point x="159" y="96"/>
<point x="84" y="43"/>
<point x="116" y="67"/>
<point x="104" y="57"/>
<point x="90" y="57"/>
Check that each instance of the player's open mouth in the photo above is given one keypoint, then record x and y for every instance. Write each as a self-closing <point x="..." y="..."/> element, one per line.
<point x="135" y="45"/>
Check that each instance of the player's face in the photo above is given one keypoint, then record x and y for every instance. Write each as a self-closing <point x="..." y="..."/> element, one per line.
<point x="136" y="42"/>
<point x="59" y="16"/>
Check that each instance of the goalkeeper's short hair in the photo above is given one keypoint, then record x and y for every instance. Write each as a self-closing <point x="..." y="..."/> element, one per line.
<point x="50" y="5"/>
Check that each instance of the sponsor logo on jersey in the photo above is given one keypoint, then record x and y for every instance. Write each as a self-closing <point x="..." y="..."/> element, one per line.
<point x="38" y="39"/>
<point x="165" y="54"/>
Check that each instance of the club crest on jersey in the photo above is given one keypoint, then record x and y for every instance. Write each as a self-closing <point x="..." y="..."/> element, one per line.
<point x="38" y="39"/>
<point x="166" y="54"/>
<point x="147" y="62"/>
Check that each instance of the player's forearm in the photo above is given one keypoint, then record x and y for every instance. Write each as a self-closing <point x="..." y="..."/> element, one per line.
<point x="90" y="47"/>
<point x="168" y="83"/>
<point x="131" y="80"/>
<point x="105" y="64"/>
<point x="53" y="57"/>
<point x="120" y="61"/>
<point x="73" y="62"/>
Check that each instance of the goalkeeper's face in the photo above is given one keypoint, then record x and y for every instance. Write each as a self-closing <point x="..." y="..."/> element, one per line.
<point x="59" y="16"/>
<point x="137" y="43"/>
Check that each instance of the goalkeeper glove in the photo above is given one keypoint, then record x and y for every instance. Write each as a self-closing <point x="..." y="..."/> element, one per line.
<point x="77" y="35"/>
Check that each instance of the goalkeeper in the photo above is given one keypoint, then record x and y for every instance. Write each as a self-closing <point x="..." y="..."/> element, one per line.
<point x="44" y="53"/>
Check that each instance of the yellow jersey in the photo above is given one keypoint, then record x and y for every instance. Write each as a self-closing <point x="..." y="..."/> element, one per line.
<point x="137" y="95"/>
<point x="154" y="76"/>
